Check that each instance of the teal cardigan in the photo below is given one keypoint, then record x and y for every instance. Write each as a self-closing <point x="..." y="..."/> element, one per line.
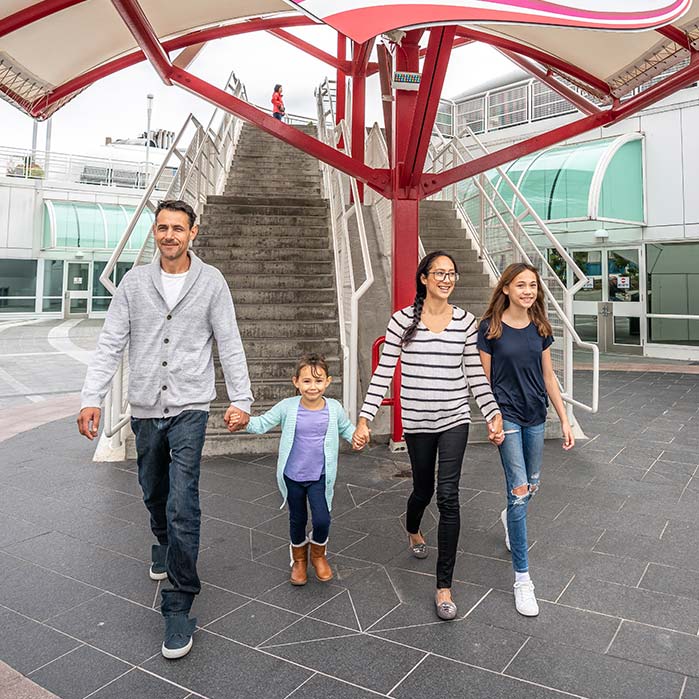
<point x="284" y="413"/>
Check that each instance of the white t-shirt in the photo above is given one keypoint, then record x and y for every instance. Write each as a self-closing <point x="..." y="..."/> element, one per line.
<point x="172" y="286"/>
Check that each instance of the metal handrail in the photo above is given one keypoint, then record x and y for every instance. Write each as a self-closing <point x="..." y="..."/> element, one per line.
<point x="202" y="169"/>
<point x="455" y="146"/>
<point x="335" y="185"/>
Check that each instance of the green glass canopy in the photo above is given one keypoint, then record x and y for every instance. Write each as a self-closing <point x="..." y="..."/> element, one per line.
<point x="70" y="224"/>
<point x="600" y="180"/>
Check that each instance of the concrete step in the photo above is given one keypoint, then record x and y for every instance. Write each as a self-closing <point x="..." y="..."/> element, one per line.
<point x="243" y="198"/>
<point x="306" y="329"/>
<point x="315" y="226"/>
<point x="245" y="266"/>
<point x="222" y="443"/>
<point x="454" y="247"/>
<point x="286" y="312"/>
<point x="285" y="281"/>
<point x="285" y="348"/>
<point x="231" y="243"/>
<point x="235" y="212"/>
<point x="263" y="219"/>
<point x="283" y="296"/>
<point x="213" y="255"/>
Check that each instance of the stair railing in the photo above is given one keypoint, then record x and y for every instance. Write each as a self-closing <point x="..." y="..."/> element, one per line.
<point x="342" y="194"/>
<point x="502" y="237"/>
<point x="196" y="166"/>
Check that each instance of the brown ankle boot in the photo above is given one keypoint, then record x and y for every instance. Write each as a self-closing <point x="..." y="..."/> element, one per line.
<point x="320" y="563"/>
<point x="299" y="564"/>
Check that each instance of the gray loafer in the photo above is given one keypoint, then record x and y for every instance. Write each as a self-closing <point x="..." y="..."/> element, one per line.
<point x="445" y="610"/>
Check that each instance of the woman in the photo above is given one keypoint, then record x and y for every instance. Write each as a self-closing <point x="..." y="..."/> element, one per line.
<point x="514" y="338"/>
<point x="436" y="343"/>
<point x="278" y="103"/>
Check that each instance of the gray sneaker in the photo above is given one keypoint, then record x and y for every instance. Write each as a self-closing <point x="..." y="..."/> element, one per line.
<point x="158" y="567"/>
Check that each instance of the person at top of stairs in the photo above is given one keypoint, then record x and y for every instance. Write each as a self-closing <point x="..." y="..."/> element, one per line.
<point x="307" y="464"/>
<point x="169" y="313"/>
<point x="278" y="109"/>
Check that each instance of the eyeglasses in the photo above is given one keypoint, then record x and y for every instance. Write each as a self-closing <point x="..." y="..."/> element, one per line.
<point x="440" y="276"/>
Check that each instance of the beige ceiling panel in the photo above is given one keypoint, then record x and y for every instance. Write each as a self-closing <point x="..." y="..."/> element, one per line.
<point x="64" y="45"/>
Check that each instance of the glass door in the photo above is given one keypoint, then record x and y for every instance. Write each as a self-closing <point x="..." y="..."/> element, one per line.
<point x="77" y="289"/>
<point x="608" y="309"/>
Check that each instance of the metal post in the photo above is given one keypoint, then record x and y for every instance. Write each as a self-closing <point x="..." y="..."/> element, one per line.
<point x="47" y="147"/>
<point x="149" y="112"/>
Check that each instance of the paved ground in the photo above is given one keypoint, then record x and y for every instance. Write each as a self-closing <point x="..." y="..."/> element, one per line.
<point x="613" y="556"/>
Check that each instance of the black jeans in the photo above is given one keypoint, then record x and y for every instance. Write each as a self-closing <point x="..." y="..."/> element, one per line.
<point x="168" y="455"/>
<point x="424" y="448"/>
<point x="298" y="492"/>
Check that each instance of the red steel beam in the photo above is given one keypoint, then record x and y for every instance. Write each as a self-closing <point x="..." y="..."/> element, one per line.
<point x="577" y="100"/>
<point x="340" y="79"/>
<point x="597" y="86"/>
<point x="676" y="35"/>
<point x="195" y="37"/>
<point x="433" y="183"/>
<point x="431" y="82"/>
<point x="311" y="50"/>
<point x="360" y="57"/>
<point x="135" y="19"/>
<point x="377" y="179"/>
<point x="458" y="41"/>
<point x="34" y="13"/>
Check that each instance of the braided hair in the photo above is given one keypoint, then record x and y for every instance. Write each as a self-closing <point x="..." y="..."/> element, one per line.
<point x="421" y="291"/>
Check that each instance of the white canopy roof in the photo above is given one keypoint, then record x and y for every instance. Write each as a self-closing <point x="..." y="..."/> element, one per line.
<point x="46" y="45"/>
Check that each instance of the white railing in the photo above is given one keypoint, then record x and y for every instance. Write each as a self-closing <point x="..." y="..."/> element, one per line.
<point x="199" y="159"/>
<point x="338" y="188"/>
<point x="508" y="229"/>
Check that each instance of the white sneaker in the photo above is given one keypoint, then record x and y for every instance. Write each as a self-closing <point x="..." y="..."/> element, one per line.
<point x="503" y="519"/>
<point x="525" y="601"/>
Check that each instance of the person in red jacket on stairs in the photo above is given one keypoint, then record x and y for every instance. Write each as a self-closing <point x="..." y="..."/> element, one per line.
<point x="278" y="103"/>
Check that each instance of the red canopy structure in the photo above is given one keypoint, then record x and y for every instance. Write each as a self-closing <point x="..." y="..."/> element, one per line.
<point x="606" y="62"/>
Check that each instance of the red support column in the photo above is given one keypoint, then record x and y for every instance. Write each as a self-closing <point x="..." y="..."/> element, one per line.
<point x="404" y="206"/>
<point x="360" y="59"/>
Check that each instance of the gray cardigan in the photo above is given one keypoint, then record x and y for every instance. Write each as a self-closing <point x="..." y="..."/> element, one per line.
<point x="171" y="366"/>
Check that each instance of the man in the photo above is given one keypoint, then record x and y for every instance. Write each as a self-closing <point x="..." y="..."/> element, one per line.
<point x="169" y="313"/>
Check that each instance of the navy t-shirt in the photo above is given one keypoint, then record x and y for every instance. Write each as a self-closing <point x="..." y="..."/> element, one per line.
<point x="516" y="373"/>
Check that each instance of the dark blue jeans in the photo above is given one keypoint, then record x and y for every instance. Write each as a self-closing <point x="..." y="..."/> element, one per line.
<point x="313" y="492"/>
<point x="168" y="454"/>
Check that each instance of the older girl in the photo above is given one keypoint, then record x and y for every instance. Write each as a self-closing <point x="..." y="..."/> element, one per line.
<point x="514" y="338"/>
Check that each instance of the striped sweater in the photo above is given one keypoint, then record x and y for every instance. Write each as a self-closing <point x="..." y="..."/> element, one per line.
<point x="437" y="370"/>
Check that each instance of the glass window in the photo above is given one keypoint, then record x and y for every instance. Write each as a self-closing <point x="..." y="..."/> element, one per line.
<point x="621" y="196"/>
<point x="116" y="223"/>
<point x="590" y="262"/>
<point x="673" y="289"/>
<point x="91" y="226"/>
<point x="121" y="269"/>
<point x="53" y="278"/>
<point x="67" y="230"/>
<point x="101" y="298"/>
<point x="17" y="280"/>
<point x="586" y="327"/>
<point x="142" y="229"/>
<point x="622" y="275"/>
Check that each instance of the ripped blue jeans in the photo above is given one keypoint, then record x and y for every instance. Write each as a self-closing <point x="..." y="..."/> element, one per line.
<point x="521" y="454"/>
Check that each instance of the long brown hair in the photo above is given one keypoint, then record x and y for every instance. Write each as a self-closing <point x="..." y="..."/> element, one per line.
<point x="499" y="301"/>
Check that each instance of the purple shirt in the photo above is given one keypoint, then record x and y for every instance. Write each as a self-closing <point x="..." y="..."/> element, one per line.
<point x="306" y="461"/>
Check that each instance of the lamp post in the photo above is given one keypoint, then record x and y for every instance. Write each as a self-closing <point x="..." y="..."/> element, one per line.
<point x="150" y="110"/>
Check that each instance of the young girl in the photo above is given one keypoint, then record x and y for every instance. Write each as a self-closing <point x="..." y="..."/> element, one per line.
<point x="514" y="339"/>
<point x="307" y="464"/>
<point x="436" y="343"/>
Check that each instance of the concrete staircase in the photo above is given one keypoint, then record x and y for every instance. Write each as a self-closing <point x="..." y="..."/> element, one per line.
<point x="441" y="229"/>
<point x="269" y="234"/>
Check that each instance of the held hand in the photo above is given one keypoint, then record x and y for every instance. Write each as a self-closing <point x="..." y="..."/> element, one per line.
<point x="495" y="432"/>
<point x="362" y="435"/>
<point x="89" y="422"/>
<point x="568" y="438"/>
<point x="236" y="419"/>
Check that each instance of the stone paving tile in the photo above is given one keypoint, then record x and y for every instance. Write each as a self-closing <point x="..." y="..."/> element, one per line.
<point x="137" y="684"/>
<point x="79" y="673"/>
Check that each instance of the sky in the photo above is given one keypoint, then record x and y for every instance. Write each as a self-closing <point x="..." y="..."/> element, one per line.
<point x="116" y="106"/>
